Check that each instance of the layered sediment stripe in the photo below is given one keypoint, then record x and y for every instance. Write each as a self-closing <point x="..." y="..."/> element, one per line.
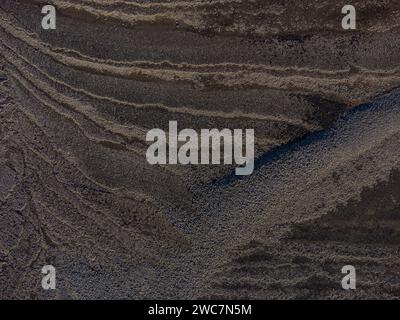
<point x="345" y="86"/>
<point x="242" y="75"/>
<point x="145" y="74"/>
<point x="113" y="135"/>
<point x="232" y="17"/>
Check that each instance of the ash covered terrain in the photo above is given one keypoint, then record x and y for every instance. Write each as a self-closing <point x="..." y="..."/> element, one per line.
<point x="77" y="192"/>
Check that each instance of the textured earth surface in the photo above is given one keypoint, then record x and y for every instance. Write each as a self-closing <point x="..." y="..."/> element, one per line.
<point x="77" y="192"/>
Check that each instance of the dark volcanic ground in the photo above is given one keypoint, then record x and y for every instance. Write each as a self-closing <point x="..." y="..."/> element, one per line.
<point x="77" y="192"/>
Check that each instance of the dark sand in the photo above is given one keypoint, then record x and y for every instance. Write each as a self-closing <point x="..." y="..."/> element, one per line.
<point x="77" y="192"/>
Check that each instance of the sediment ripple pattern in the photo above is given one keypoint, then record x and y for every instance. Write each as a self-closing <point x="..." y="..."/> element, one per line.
<point x="76" y="190"/>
